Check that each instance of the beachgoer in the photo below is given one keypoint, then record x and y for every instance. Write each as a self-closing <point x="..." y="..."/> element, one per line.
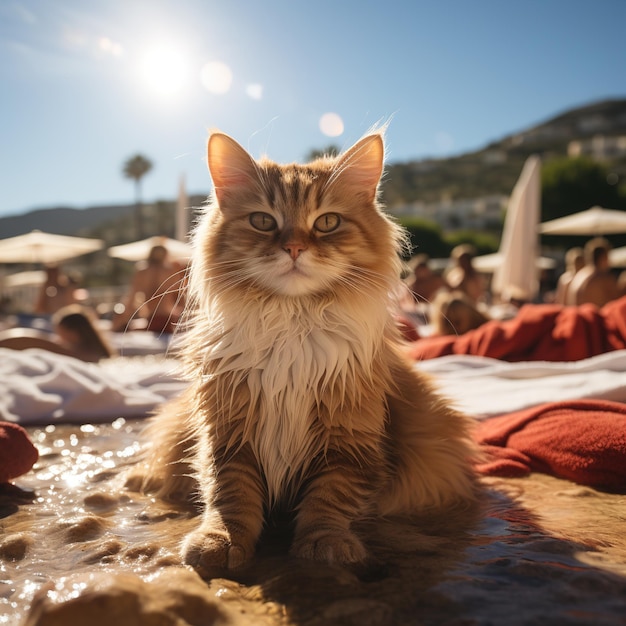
<point x="76" y="334"/>
<point x="463" y="276"/>
<point x="455" y="313"/>
<point x="154" y="296"/>
<point x="56" y="292"/>
<point x="595" y="282"/>
<point x="574" y="261"/>
<point x="424" y="283"/>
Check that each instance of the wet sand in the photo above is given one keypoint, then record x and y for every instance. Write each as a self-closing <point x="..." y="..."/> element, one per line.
<point x="77" y="548"/>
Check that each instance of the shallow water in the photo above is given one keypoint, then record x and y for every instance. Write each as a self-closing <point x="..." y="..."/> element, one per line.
<point x="77" y="548"/>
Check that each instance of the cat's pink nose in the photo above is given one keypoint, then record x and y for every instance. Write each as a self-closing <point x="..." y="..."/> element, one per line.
<point x="294" y="249"/>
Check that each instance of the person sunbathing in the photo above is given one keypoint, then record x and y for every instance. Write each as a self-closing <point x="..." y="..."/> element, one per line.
<point x="454" y="313"/>
<point x="424" y="283"/>
<point x="595" y="282"/>
<point x="463" y="276"/>
<point x="156" y="295"/>
<point x="574" y="262"/>
<point x="76" y="334"/>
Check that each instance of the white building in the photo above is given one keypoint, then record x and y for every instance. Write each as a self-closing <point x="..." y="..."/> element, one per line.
<point x="600" y="147"/>
<point x="476" y="214"/>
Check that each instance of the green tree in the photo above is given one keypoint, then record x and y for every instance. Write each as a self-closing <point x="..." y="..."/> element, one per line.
<point x="572" y="185"/>
<point x="484" y="243"/>
<point x="426" y="237"/>
<point x="136" y="168"/>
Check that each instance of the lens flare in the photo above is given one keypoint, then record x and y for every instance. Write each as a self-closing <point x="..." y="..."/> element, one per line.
<point x="255" y="91"/>
<point x="216" y="77"/>
<point x="331" y="124"/>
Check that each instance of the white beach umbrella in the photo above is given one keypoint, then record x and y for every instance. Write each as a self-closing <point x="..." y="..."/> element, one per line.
<point x="517" y="271"/>
<point x="139" y="250"/>
<point x="489" y="263"/>
<point x="40" y="247"/>
<point x="24" y="279"/>
<point x="617" y="257"/>
<point x="592" y="222"/>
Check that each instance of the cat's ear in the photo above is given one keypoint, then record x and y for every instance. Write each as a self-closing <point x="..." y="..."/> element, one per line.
<point x="230" y="165"/>
<point x="359" y="169"/>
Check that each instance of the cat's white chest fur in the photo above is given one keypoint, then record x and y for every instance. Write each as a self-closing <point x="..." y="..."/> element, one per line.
<point x="290" y="362"/>
<point x="287" y="382"/>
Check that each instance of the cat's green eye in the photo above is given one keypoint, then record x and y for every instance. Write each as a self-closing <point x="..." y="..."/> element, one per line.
<point x="327" y="223"/>
<point x="262" y="221"/>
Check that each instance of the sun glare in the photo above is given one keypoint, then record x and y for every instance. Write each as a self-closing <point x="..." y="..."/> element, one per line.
<point x="164" y="70"/>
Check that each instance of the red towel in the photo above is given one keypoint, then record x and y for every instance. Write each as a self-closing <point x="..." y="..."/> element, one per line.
<point x="539" y="332"/>
<point x="17" y="452"/>
<point x="583" y="441"/>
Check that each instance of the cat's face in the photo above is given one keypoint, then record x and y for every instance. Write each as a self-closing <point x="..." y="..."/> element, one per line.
<point x="296" y="230"/>
<point x="296" y="247"/>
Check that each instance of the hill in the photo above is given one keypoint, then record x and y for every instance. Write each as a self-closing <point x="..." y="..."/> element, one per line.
<point x="115" y="224"/>
<point x="493" y="169"/>
<point x="62" y="220"/>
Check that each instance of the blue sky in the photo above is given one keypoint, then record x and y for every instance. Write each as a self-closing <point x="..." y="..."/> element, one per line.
<point x="86" y="84"/>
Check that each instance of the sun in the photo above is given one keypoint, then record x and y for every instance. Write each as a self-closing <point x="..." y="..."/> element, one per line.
<point x="164" y="70"/>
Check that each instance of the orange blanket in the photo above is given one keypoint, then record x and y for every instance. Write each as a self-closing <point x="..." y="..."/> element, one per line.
<point x="539" y="332"/>
<point x="583" y="441"/>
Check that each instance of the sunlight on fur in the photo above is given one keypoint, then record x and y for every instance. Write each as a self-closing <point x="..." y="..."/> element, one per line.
<point x="301" y="398"/>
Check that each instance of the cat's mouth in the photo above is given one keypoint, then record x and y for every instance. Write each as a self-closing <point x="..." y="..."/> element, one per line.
<point x="296" y="281"/>
<point x="296" y="270"/>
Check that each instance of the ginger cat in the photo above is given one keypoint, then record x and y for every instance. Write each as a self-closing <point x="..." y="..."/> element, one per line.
<point x="300" y="396"/>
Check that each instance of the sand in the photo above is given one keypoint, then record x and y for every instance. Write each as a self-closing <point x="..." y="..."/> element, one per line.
<point x="77" y="548"/>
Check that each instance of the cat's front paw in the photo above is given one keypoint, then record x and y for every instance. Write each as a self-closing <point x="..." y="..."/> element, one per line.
<point x="207" y="552"/>
<point x="330" y="545"/>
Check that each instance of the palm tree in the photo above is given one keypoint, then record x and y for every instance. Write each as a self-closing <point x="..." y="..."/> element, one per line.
<point x="136" y="168"/>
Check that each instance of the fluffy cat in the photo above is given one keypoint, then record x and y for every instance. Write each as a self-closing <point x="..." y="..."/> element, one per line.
<point x="300" y="396"/>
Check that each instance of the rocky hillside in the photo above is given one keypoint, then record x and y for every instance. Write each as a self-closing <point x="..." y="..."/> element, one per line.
<point x="495" y="168"/>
